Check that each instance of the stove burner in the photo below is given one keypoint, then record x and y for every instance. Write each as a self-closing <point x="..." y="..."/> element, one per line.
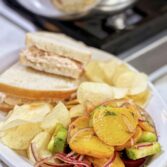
<point x="111" y="33"/>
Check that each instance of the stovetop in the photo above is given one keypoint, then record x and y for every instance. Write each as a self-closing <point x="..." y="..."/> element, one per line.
<point x="144" y="20"/>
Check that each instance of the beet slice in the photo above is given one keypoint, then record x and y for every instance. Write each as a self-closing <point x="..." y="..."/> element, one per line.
<point x="133" y="163"/>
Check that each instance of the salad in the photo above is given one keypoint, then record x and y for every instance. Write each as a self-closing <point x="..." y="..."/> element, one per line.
<point x="116" y="133"/>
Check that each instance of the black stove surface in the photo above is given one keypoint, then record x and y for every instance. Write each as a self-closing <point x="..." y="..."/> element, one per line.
<point x="144" y="20"/>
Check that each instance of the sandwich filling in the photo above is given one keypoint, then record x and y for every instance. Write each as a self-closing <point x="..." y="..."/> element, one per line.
<point x="52" y="63"/>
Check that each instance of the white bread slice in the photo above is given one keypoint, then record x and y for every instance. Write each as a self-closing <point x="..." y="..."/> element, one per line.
<point x="31" y="84"/>
<point x="59" y="44"/>
<point x="63" y="66"/>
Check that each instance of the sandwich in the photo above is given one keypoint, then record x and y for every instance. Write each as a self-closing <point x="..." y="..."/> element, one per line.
<point x="55" y="53"/>
<point x="19" y="85"/>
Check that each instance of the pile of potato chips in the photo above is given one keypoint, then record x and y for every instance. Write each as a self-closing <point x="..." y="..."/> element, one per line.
<point x="118" y="79"/>
<point x="32" y="123"/>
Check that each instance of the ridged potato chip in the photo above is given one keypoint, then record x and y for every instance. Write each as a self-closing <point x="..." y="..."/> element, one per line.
<point x="77" y="110"/>
<point x="135" y="82"/>
<point x="142" y="98"/>
<point x="101" y="71"/>
<point x="40" y="142"/>
<point x="20" y="137"/>
<point x="94" y="71"/>
<point x="94" y="93"/>
<point x="59" y="114"/>
<point x="27" y="113"/>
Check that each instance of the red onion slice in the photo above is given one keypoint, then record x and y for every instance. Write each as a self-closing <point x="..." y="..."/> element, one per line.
<point x="71" y="161"/>
<point x="72" y="153"/>
<point x="142" y="120"/>
<point x="34" y="152"/>
<point x="66" y="161"/>
<point x="110" y="161"/>
<point x="49" y="164"/>
<point x="143" y="145"/>
<point x="132" y="142"/>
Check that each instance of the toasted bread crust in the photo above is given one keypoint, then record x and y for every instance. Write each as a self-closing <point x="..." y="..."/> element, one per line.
<point x="5" y="107"/>
<point x="36" y="94"/>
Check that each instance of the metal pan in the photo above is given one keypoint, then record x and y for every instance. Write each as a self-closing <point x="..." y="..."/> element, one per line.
<point x="48" y="9"/>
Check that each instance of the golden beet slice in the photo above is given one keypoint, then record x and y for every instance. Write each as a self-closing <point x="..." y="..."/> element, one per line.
<point x="146" y="126"/>
<point x="117" y="162"/>
<point x="114" y="126"/>
<point x="85" y="142"/>
<point x="78" y="124"/>
<point x="132" y="140"/>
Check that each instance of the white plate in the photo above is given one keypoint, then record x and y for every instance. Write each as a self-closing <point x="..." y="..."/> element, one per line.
<point x="156" y="108"/>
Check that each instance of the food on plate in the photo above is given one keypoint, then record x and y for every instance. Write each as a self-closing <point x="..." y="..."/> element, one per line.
<point x="148" y="137"/>
<point x="93" y="121"/>
<point x="108" y="135"/>
<point x="142" y="150"/>
<point x="40" y="142"/>
<point x="114" y="161"/>
<point x="58" y="140"/>
<point x="85" y="142"/>
<point x="142" y="98"/>
<point x="78" y="124"/>
<point x="27" y="113"/>
<point x="119" y="75"/>
<point x="73" y="6"/>
<point x="21" y="85"/>
<point x="120" y="130"/>
<point x="20" y="136"/>
<point x="59" y="114"/>
<point x="104" y="72"/>
<point x="114" y="133"/>
<point x="55" y="53"/>
<point x="77" y="110"/>
<point x="93" y="93"/>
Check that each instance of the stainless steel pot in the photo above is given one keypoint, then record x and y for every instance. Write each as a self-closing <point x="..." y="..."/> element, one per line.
<point x="47" y="9"/>
<point x="111" y="6"/>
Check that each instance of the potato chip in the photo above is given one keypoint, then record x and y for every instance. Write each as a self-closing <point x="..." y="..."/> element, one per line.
<point x="94" y="71"/>
<point x="19" y="137"/>
<point x="126" y="78"/>
<point x="40" y="141"/>
<point x="109" y="69"/>
<point x="27" y="113"/>
<point x="120" y="69"/>
<point x="119" y="93"/>
<point x="77" y="111"/>
<point x="59" y="114"/>
<point x="142" y="98"/>
<point x="94" y="93"/>
<point x="102" y="71"/>
<point x="139" y="84"/>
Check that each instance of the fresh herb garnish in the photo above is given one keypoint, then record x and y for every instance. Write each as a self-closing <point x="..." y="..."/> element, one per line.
<point x="132" y="114"/>
<point x="110" y="113"/>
